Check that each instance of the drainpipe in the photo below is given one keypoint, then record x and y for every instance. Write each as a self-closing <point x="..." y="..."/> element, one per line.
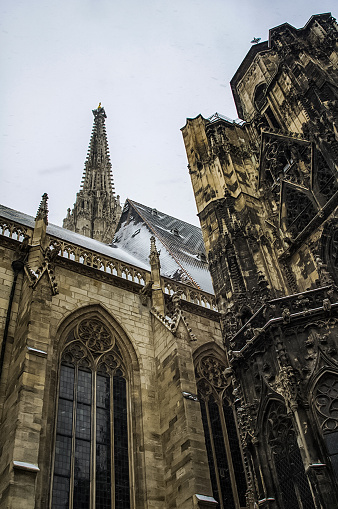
<point x="17" y="267"/>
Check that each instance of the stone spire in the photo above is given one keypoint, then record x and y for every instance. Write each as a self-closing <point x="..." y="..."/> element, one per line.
<point x="96" y="211"/>
<point x="42" y="212"/>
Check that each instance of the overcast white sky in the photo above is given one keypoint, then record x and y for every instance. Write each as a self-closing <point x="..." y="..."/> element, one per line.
<point x="151" y="63"/>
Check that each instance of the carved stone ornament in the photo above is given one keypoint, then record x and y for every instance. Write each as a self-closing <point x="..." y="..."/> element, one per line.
<point x="286" y="385"/>
<point x="326" y="402"/>
<point x="76" y="353"/>
<point x="95" y="335"/>
<point x="214" y="371"/>
<point x="280" y="432"/>
<point x="110" y="364"/>
<point x="47" y="266"/>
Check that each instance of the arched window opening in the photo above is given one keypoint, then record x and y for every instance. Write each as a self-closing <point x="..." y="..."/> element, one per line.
<point x="260" y="98"/>
<point x="220" y="432"/>
<point x="326" y="406"/>
<point x="287" y="461"/>
<point x="91" y="461"/>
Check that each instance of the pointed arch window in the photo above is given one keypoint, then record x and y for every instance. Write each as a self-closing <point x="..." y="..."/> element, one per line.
<point x="91" y="459"/>
<point x="220" y="431"/>
<point x="288" y="465"/>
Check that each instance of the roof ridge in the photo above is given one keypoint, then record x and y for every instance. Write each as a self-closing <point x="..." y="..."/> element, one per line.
<point x="164" y="243"/>
<point x="160" y="212"/>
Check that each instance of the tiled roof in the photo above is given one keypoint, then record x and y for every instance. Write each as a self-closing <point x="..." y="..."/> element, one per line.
<point x="181" y="244"/>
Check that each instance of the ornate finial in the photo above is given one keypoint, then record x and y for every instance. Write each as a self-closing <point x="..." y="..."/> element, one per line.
<point x="99" y="113"/>
<point x="152" y="245"/>
<point x="154" y="254"/>
<point x="42" y="212"/>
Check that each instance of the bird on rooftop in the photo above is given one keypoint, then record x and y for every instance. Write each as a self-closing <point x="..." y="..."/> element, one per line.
<point x="255" y="40"/>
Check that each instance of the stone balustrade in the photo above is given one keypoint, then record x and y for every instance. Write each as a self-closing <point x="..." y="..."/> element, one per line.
<point x="110" y="265"/>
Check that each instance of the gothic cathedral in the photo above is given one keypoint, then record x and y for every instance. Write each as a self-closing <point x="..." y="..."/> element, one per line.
<point x="149" y="364"/>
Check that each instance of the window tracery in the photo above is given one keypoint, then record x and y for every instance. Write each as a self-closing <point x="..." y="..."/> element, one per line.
<point x="325" y="178"/>
<point x="91" y="459"/>
<point x="326" y="406"/>
<point x="299" y="210"/>
<point x="329" y="248"/>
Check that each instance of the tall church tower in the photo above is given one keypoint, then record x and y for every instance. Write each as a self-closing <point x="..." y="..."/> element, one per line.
<point x="96" y="211"/>
<point x="266" y="190"/>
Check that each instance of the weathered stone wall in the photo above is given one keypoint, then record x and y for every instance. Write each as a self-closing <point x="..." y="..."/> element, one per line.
<point x="168" y="457"/>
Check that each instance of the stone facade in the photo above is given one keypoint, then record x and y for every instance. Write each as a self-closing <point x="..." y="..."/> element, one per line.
<point x="97" y="210"/>
<point x="266" y="190"/>
<point x="49" y="289"/>
<point x="115" y="390"/>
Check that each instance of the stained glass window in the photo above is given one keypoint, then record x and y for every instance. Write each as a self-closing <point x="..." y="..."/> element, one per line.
<point x="91" y="459"/>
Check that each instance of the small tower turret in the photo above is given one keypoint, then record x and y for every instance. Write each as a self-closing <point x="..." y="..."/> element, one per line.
<point x="97" y="210"/>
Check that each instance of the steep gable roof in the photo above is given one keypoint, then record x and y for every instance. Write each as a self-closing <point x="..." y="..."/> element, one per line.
<point x="181" y="244"/>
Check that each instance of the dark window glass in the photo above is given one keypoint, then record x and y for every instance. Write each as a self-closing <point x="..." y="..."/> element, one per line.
<point x="221" y="456"/>
<point x="292" y="480"/>
<point x="60" y="498"/>
<point x="67" y="382"/>
<point x="77" y="441"/>
<point x="103" y="443"/>
<point x="65" y="417"/>
<point x="209" y="451"/>
<point x="235" y="452"/>
<point x="63" y="449"/>
<point x="121" y="460"/>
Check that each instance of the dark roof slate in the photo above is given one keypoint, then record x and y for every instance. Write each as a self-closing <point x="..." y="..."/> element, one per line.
<point x="182" y="255"/>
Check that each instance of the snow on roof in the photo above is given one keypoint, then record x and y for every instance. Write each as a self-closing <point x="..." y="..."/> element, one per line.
<point x="182" y="252"/>
<point x="180" y="244"/>
<point x="119" y="253"/>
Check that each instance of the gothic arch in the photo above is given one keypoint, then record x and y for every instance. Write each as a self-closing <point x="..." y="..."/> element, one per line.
<point x="220" y="429"/>
<point x="115" y="360"/>
<point x="99" y="311"/>
<point x="259" y="96"/>
<point x="284" y="458"/>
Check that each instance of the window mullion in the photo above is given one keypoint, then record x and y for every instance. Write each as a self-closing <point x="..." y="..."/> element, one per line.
<point x="112" y="444"/>
<point x="72" y="465"/>
<point x="93" y="443"/>
<point x="220" y="496"/>
<point x="130" y="446"/>
<point x="228" y="451"/>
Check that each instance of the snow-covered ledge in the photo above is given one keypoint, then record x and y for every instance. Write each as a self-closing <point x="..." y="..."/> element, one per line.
<point x="36" y="351"/>
<point x="205" y="502"/>
<point x="22" y="465"/>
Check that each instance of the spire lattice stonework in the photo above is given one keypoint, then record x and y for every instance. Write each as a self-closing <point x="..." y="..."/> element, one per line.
<point x="96" y="211"/>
